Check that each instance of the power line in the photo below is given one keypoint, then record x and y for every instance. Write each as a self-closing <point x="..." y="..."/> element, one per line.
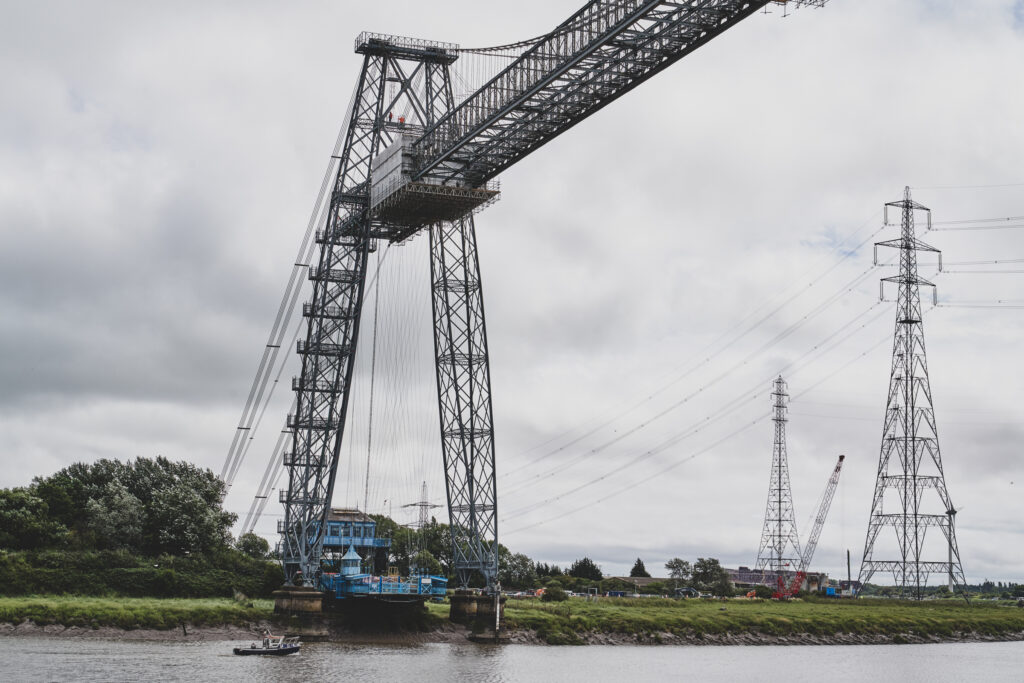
<point x="719" y="349"/>
<point x="971" y="221"/>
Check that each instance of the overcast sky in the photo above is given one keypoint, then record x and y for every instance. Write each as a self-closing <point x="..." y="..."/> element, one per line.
<point x="646" y="275"/>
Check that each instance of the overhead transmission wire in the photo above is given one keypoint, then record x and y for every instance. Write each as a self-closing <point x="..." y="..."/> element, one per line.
<point x="604" y="422"/>
<point x="658" y="473"/>
<point x="1002" y="223"/>
<point x="717" y="345"/>
<point x="849" y="286"/>
<point x="966" y="187"/>
<point x="732" y="405"/>
<point x="244" y="433"/>
<point x="823" y="345"/>
<point x="619" y="491"/>
<point x="707" y="420"/>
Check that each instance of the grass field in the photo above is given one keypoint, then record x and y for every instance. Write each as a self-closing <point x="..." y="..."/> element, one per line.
<point x="765" y="617"/>
<point x="570" y="622"/>
<point x="130" y="613"/>
<point x="559" y="623"/>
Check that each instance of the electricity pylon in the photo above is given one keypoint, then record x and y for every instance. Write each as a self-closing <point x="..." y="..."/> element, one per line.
<point x="780" y="544"/>
<point x="909" y="464"/>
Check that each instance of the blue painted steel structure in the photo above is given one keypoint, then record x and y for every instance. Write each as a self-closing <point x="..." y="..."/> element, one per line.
<point x="352" y="528"/>
<point x="352" y="583"/>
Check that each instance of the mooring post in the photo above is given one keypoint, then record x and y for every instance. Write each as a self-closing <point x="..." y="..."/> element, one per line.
<point x="497" y="610"/>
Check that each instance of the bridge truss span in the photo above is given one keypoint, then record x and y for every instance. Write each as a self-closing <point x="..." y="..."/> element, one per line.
<point x="415" y="159"/>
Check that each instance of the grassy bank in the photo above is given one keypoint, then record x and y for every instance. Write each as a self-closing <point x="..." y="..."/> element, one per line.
<point x="575" y="621"/>
<point x="132" y="613"/>
<point x="571" y="621"/>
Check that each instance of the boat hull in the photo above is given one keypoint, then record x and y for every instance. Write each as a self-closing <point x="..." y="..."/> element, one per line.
<point x="275" y="651"/>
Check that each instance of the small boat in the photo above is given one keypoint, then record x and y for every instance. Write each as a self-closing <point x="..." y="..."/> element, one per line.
<point x="271" y="645"/>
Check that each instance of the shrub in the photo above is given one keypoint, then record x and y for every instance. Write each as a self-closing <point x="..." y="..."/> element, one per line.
<point x="554" y="592"/>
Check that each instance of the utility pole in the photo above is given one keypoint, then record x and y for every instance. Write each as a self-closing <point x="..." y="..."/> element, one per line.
<point x="849" y="581"/>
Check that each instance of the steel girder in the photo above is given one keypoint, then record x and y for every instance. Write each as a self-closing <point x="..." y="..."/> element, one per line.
<point x="464" y="399"/>
<point x="910" y="463"/>
<point x="596" y="56"/>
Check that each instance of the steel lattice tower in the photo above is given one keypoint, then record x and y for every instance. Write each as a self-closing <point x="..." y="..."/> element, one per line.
<point x="780" y="544"/>
<point x="411" y="76"/>
<point x="415" y="160"/>
<point x="909" y="464"/>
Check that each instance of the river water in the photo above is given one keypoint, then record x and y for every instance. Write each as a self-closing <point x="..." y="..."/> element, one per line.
<point x="69" y="659"/>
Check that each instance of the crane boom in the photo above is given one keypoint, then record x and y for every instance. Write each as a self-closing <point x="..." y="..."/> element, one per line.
<point x="812" y="542"/>
<point x="819" y="521"/>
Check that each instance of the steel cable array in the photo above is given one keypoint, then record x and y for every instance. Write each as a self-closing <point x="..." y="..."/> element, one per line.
<point x="259" y="397"/>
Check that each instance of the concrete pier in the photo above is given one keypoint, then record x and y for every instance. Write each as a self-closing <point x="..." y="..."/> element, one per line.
<point x="464" y="607"/>
<point x="476" y="610"/>
<point x="299" y="610"/>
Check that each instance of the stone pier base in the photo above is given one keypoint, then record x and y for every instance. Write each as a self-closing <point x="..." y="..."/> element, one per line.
<point x="464" y="607"/>
<point x="299" y="611"/>
<point x="476" y="610"/>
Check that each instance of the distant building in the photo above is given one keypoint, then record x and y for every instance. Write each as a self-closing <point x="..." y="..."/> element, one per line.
<point x="745" y="577"/>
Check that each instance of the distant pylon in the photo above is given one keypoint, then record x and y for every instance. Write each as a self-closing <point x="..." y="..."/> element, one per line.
<point x="909" y="464"/>
<point x="780" y="545"/>
<point x="425" y="507"/>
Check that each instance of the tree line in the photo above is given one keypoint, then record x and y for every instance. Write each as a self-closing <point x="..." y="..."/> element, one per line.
<point x="146" y="527"/>
<point x="145" y="506"/>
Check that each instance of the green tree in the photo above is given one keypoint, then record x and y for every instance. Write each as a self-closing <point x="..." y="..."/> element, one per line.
<point x="708" y="575"/>
<point x="437" y="539"/>
<point x="25" y="523"/>
<point x="151" y="506"/>
<point x="517" y="572"/>
<point x="679" y="570"/>
<point x="253" y="545"/>
<point x="544" y="570"/>
<point x="639" y="570"/>
<point x="722" y="586"/>
<point x="115" y="518"/>
<point x="425" y="562"/>
<point x="585" y="568"/>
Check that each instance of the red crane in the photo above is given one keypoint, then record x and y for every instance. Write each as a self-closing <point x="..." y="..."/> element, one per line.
<point x="784" y="591"/>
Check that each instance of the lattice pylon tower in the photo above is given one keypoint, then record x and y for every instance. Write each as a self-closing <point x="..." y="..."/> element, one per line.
<point x="779" y="552"/>
<point x="425" y="506"/>
<point x="910" y="480"/>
